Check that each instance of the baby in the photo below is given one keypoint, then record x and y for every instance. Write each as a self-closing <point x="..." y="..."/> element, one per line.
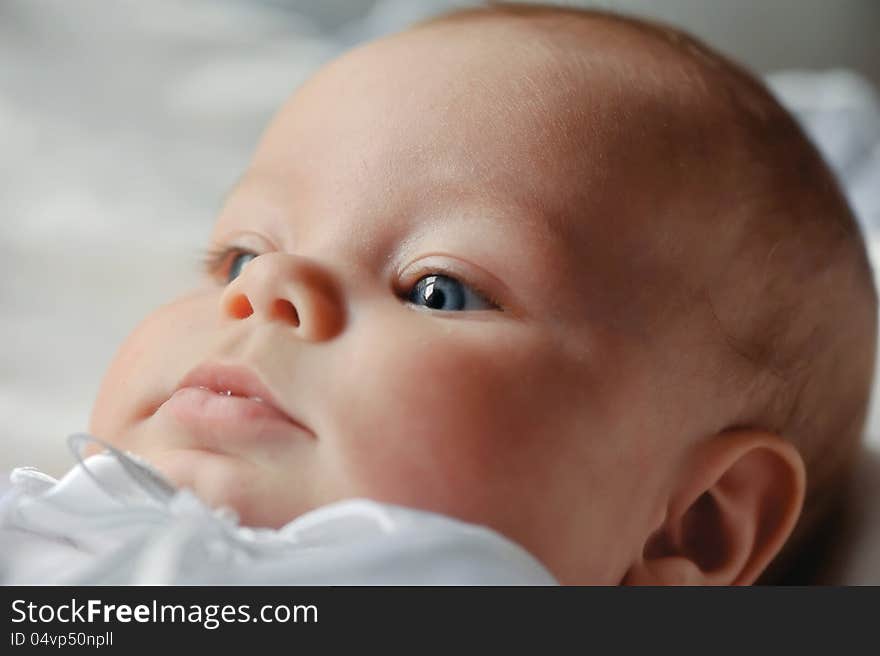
<point x="570" y="276"/>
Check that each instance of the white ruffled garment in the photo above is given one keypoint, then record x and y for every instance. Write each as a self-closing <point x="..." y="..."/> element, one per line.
<point x="114" y="520"/>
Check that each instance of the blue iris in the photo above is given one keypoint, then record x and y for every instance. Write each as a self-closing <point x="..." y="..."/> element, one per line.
<point x="238" y="263"/>
<point x="439" y="292"/>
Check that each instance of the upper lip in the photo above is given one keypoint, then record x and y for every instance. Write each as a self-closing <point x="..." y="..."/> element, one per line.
<point x="236" y="380"/>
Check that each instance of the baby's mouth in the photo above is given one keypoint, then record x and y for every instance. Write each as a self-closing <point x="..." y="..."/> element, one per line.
<point x="229" y="402"/>
<point x="229" y="393"/>
<point x="225" y="405"/>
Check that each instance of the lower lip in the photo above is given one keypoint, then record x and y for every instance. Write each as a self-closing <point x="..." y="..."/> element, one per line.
<point x="221" y="417"/>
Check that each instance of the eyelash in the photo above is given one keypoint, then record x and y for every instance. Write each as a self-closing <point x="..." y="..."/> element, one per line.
<point x="212" y="261"/>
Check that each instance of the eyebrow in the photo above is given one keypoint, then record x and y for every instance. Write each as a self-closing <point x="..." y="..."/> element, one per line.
<point x="518" y="213"/>
<point x="460" y="208"/>
<point x="534" y="237"/>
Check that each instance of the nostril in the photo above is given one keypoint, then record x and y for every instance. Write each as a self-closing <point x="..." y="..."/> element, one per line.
<point x="240" y="307"/>
<point x="285" y="311"/>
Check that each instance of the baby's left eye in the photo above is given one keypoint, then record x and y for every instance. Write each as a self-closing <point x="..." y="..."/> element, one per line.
<point x="439" y="292"/>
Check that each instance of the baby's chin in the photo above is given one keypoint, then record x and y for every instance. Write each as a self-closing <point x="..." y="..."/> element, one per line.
<point x="226" y="481"/>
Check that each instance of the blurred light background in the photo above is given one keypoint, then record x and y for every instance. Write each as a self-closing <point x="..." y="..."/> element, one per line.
<point x="124" y="122"/>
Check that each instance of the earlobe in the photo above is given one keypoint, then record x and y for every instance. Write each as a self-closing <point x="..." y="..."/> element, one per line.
<point x="730" y="511"/>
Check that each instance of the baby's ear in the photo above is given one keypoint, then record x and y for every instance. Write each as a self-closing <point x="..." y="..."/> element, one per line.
<point x="732" y="508"/>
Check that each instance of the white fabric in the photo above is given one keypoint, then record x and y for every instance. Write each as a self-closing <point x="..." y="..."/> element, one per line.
<point x="102" y="525"/>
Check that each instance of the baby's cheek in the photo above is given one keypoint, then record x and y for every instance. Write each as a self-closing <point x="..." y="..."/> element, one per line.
<point x="147" y="364"/>
<point x="443" y="420"/>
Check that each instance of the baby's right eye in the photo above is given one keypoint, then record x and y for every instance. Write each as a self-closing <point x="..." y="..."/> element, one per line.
<point x="226" y="261"/>
<point x="238" y="263"/>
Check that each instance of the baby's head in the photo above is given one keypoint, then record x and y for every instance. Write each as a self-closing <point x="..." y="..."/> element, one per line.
<point x="571" y="276"/>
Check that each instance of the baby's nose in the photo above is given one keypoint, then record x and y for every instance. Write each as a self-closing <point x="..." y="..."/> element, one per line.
<point x="290" y="289"/>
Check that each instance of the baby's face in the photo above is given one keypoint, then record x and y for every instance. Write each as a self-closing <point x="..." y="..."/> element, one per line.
<point x="444" y="298"/>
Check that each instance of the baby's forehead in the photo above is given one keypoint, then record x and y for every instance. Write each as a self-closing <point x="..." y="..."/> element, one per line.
<point x="493" y="110"/>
